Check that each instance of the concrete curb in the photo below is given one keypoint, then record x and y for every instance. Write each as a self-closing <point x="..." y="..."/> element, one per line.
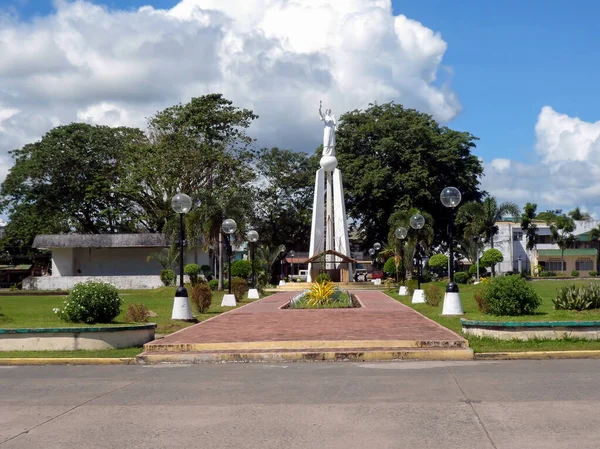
<point x="538" y="355"/>
<point x="66" y="361"/>
<point x="308" y="356"/>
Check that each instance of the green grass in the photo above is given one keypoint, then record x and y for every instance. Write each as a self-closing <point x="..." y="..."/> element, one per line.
<point x="546" y="289"/>
<point x="36" y="311"/>
<point x="342" y="302"/>
<point x="107" y="353"/>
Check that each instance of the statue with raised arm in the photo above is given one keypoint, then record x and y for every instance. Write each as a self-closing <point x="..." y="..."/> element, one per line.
<point x="329" y="131"/>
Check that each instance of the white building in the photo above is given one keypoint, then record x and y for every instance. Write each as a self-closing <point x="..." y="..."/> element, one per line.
<point x="511" y="240"/>
<point x="121" y="259"/>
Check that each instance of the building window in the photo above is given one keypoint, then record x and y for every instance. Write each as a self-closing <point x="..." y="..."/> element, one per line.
<point x="544" y="239"/>
<point x="584" y="264"/>
<point x="517" y="236"/>
<point x="555" y="265"/>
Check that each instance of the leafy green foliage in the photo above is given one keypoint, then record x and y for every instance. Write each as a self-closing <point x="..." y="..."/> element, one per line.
<point x="562" y="233"/>
<point x="168" y="277"/>
<point x="547" y="274"/>
<point x="390" y="266"/>
<point x="193" y="272"/>
<point x="473" y="270"/>
<point x="201" y="297"/>
<point x="241" y="268"/>
<point x="527" y="224"/>
<point x="323" y="277"/>
<point x="433" y="295"/>
<point x="575" y="273"/>
<point x="491" y="257"/>
<point x="572" y="297"/>
<point x="510" y="296"/>
<point x="239" y="287"/>
<point x="137" y="313"/>
<point x="213" y="284"/>
<point x="462" y="277"/>
<point x="438" y="261"/>
<point x="593" y="273"/>
<point x="91" y="302"/>
<point x="387" y="148"/>
<point x="166" y="257"/>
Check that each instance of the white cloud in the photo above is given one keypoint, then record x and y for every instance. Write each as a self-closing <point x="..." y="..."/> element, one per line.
<point x="85" y="62"/>
<point x="568" y="174"/>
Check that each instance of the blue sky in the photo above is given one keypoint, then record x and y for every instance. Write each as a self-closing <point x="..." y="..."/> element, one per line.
<point x="524" y="73"/>
<point x="509" y="58"/>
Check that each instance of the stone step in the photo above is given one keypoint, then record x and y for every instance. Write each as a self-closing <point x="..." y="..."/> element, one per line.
<point x="324" y="354"/>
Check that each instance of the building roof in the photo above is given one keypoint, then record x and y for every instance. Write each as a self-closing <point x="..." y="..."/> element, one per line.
<point x="344" y="258"/>
<point x="47" y="241"/>
<point x="568" y="252"/>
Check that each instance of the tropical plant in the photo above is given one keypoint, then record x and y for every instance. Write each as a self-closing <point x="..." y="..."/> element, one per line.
<point x="193" y="272"/>
<point x="323" y="277"/>
<point x="571" y="297"/>
<point x="577" y="214"/>
<point x="562" y="234"/>
<point x="509" y="296"/>
<point x="168" y="277"/>
<point x="530" y="228"/>
<point x="320" y="293"/>
<point x="166" y="257"/>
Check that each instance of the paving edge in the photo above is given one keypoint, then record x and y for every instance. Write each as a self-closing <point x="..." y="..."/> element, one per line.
<point x="538" y="355"/>
<point x="312" y="356"/>
<point x="67" y="361"/>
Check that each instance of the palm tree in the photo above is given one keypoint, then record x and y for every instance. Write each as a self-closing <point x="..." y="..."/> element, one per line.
<point x="530" y="228"/>
<point x="576" y="214"/>
<point x="481" y="218"/>
<point x="562" y="234"/>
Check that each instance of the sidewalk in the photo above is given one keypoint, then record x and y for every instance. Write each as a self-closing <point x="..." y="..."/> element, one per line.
<point x="383" y="329"/>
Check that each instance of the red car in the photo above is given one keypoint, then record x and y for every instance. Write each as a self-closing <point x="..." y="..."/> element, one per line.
<point x="377" y="275"/>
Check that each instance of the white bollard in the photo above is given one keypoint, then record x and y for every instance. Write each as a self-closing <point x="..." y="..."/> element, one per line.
<point x="253" y="294"/>
<point x="418" y="297"/>
<point x="228" y="301"/>
<point x="281" y="283"/>
<point x="452" y="304"/>
<point x="403" y="291"/>
<point x="181" y="309"/>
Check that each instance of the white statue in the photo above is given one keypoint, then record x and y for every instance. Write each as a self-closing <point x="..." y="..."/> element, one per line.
<point x="329" y="131"/>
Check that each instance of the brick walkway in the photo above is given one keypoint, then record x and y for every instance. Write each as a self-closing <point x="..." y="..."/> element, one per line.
<point x="380" y="319"/>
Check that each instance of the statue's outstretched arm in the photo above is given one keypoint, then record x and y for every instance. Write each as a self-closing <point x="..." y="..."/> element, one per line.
<point x="321" y="112"/>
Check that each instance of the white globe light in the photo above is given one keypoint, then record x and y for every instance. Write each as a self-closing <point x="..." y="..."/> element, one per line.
<point x="282" y="248"/>
<point x="372" y="252"/>
<point x="229" y="226"/>
<point x="400" y="233"/>
<point x="377" y="246"/>
<point x="252" y="236"/>
<point x="417" y="221"/>
<point x="181" y="203"/>
<point x="450" y="197"/>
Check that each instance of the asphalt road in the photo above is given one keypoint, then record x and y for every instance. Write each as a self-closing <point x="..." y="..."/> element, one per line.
<point x="512" y="405"/>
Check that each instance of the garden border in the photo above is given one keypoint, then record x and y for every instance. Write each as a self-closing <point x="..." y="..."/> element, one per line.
<point x="528" y="330"/>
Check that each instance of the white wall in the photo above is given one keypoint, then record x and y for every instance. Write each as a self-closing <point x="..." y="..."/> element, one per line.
<point x="62" y="262"/>
<point x="68" y="282"/>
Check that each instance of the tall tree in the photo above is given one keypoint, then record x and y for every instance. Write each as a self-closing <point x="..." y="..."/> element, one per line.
<point x="530" y="228"/>
<point x="284" y="197"/>
<point x="577" y="214"/>
<point x="562" y="234"/>
<point x="549" y="215"/>
<point x="481" y="218"/>
<point x="396" y="158"/>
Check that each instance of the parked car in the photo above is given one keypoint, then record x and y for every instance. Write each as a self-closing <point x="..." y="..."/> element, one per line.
<point x="360" y="275"/>
<point x="377" y="275"/>
<point x="302" y="276"/>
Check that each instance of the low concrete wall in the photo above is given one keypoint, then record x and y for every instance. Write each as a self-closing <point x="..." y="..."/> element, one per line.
<point x="68" y="282"/>
<point x="76" y="338"/>
<point x="529" y="330"/>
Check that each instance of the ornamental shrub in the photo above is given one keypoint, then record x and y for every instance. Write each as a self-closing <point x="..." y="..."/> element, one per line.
<point x="137" y="313"/>
<point x="91" y="302"/>
<point x="239" y="287"/>
<point x="491" y="257"/>
<point x="213" y="284"/>
<point x="575" y="273"/>
<point x="390" y="267"/>
<point x="473" y="270"/>
<point x="462" y="277"/>
<point x="572" y="297"/>
<point x="167" y="277"/>
<point x="438" y="262"/>
<point x="323" y="277"/>
<point x="593" y="273"/>
<point x="202" y="297"/>
<point x="510" y="296"/>
<point x="433" y="295"/>
<point x="193" y="271"/>
<point x="241" y="268"/>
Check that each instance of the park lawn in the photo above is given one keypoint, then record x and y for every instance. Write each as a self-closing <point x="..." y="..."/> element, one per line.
<point x="36" y="311"/>
<point x="547" y="291"/>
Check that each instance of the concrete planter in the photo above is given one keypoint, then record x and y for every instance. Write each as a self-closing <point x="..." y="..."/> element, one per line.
<point x="528" y="330"/>
<point x="76" y="338"/>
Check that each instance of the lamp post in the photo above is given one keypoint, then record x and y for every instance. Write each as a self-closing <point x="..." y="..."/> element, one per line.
<point x="292" y="255"/>
<point x="229" y="227"/>
<point x="451" y="197"/>
<point x="400" y="234"/>
<point x="376" y="247"/>
<point x="181" y="204"/>
<point x="252" y="237"/>
<point x="281" y="254"/>
<point x="417" y="221"/>
<point x="372" y="254"/>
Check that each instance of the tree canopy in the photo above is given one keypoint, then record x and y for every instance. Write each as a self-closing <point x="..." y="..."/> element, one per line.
<point x="395" y="158"/>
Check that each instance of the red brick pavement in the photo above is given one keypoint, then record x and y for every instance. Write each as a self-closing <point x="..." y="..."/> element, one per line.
<point x="380" y="318"/>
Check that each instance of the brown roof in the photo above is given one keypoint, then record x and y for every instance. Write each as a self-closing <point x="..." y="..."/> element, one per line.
<point x="335" y="253"/>
<point x="100" y="241"/>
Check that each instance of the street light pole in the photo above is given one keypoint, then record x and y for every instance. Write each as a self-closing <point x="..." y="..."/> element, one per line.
<point x="229" y="227"/>
<point x="417" y="221"/>
<point x="181" y="204"/>
<point x="281" y="255"/>
<point x="252" y="237"/>
<point x="450" y="197"/>
<point x="400" y="234"/>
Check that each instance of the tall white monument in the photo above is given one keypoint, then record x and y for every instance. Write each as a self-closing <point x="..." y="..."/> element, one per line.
<point x="329" y="224"/>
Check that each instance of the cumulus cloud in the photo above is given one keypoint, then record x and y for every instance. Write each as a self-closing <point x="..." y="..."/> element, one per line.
<point x="85" y="62"/>
<point x="568" y="172"/>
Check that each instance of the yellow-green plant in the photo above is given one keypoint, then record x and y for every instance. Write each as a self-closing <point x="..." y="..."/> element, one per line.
<point x="320" y="293"/>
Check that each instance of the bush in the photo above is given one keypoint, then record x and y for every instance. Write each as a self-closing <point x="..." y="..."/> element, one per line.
<point x="323" y="277"/>
<point x="137" y="313"/>
<point x="575" y="273"/>
<point x="491" y="257"/>
<point x="91" y="302"/>
<point x="389" y="283"/>
<point x="426" y="277"/>
<point x="510" y="295"/>
<point x="167" y="277"/>
<point x="205" y="269"/>
<point x="433" y="295"/>
<point x="571" y="297"/>
<point x="593" y="273"/>
<point x="481" y="302"/>
<point x="320" y="294"/>
<point x="201" y="297"/>
<point x="239" y="287"/>
<point x="473" y="270"/>
<point x="241" y="268"/>
<point x="547" y="274"/>
<point x="390" y="266"/>
<point x="193" y="271"/>
<point x="462" y="277"/>
<point x="438" y="262"/>
<point x="411" y="285"/>
<point x="213" y="284"/>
